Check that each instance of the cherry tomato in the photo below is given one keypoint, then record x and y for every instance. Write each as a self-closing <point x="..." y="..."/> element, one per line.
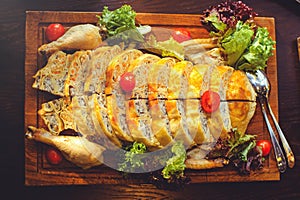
<point x="53" y="155"/>
<point x="181" y="34"/>
<point x="127" y="82"/>
<point x="265" y="146"/>
<point x="54" y="31"/>
<point x="210" y="101"/>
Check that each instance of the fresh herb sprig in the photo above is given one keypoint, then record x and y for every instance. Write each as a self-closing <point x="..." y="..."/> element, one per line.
<point x="119" y="25"/>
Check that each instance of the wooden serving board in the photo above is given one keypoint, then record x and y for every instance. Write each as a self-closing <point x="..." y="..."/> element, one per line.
<point x="37" y="169"/>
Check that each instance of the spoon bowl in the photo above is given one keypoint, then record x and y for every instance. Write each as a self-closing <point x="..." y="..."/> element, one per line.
<point x="261" y="85"/>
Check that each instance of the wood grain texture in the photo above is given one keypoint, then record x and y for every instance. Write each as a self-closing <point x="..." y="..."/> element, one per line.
<point x="12" y="85"/>
<point x="38" y="172"/>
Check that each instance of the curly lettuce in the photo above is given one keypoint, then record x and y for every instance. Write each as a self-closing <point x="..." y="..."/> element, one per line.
<point x="258" y="53"/>
<point x="119" y="24"/>
<point x="133" y="158"/>
<point x="235" y="41"/>
<point x="175" y="165"/>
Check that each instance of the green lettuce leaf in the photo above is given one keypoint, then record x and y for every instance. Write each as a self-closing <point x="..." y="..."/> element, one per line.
<point x="165" y="48"/>
<point x="175" y="165"/>
<point x="216" y="23"/>
<point x="133" y="158"/>
<point x="236" y="41"/>
<point x="120" y="23"/>
<point x="258" y="53"/>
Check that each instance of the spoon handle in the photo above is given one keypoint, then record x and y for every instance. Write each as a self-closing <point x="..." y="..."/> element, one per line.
<point x="285" y="144"/>
<point x="281" y="162"/>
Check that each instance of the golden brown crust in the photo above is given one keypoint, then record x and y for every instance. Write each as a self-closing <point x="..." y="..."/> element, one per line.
<point x="239" y="87"/>
<point x="51" y="78"/>
<point x="157" y="86"/>
<point x="193" y="107"/>
<point x="241" y="114"/>
<point x="174" y="105"/>
<point x="96" y="112"/>
<point x="96" y="78"/>
<point x="138" y="116"/>
<point x="204" y="163"/>
<point x="118" y="65"/>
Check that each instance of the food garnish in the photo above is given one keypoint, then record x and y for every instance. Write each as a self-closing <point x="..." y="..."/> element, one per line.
<point x="265" y="146"/>
<point x="240" y="150"/>
<point x="53" y="156"/>
<point x="133" y="158"/>
<point x="54" y="31"/>
<point x="246" y="46"/>
<point x="165" y="48"/>
<point x="119" y="23"/>
<point x="257" y="54"/>
<point x="210" y="101"/>
<point x="235" y="41"/>
<point x="127" y="82"/>
<point x="226" y="15"/>
<point x="175" y="165"/>
<point x="181" y="35"/>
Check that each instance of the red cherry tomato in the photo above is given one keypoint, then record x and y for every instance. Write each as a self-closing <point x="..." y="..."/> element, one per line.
<point x="265" y="146"/>
<point x="181" y="35"/>
<point x="127" y="82"/>
<point x="54" y="31"/>
<point x="53" y="156"/>
<point x="210" y="101"/>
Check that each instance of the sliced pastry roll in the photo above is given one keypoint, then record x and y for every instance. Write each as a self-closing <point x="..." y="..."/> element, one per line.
<point x="82" y="117"/>
<point x="216" y="79"/>
<point x="114" y="95"/>
<point x="101" y="57"/>
<point x="98" y="110"/>
<point x="138" y="116"/>
<point x="196" y="118"/>
<point x="77" y="73"/>
<point x="51" y="78"/>
<point x="86" y="122"/>
<point x="57" y="115"/>
<point x="175" y="103"/>
<point x="158" y="81"/>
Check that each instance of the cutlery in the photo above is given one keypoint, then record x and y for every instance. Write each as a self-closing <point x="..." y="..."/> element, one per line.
<point x="262" y="87"/>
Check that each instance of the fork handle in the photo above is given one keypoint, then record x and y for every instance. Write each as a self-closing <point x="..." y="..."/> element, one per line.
<point x="288" y="151"/>
<point x="280" y="159"/>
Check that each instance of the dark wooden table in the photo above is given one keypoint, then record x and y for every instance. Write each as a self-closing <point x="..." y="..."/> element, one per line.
<point x="12" y="40"/>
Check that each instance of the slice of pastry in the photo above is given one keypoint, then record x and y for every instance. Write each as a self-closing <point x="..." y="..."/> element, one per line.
<point x="57" y="115"/>
<point x="216" y="79"/>
<point x="241" y="113"/>
<point x="239" y="87"/>
<point x="158" y="80"/>
<point x="175" y="103"/>
<point x="85" y="120"/>
<point x="77" y="73"/>
<point x="98" y="111"/>
<point x="82" y="117"/>
<point x="52" y="76"/>
<point x="101" y="57"/>
<point x="114" y="95"/>
<point x="196" y="118"/>
<point x="138" y="116"/>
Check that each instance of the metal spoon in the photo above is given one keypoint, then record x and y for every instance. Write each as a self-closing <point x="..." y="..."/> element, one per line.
<point x="261" y="85"/>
